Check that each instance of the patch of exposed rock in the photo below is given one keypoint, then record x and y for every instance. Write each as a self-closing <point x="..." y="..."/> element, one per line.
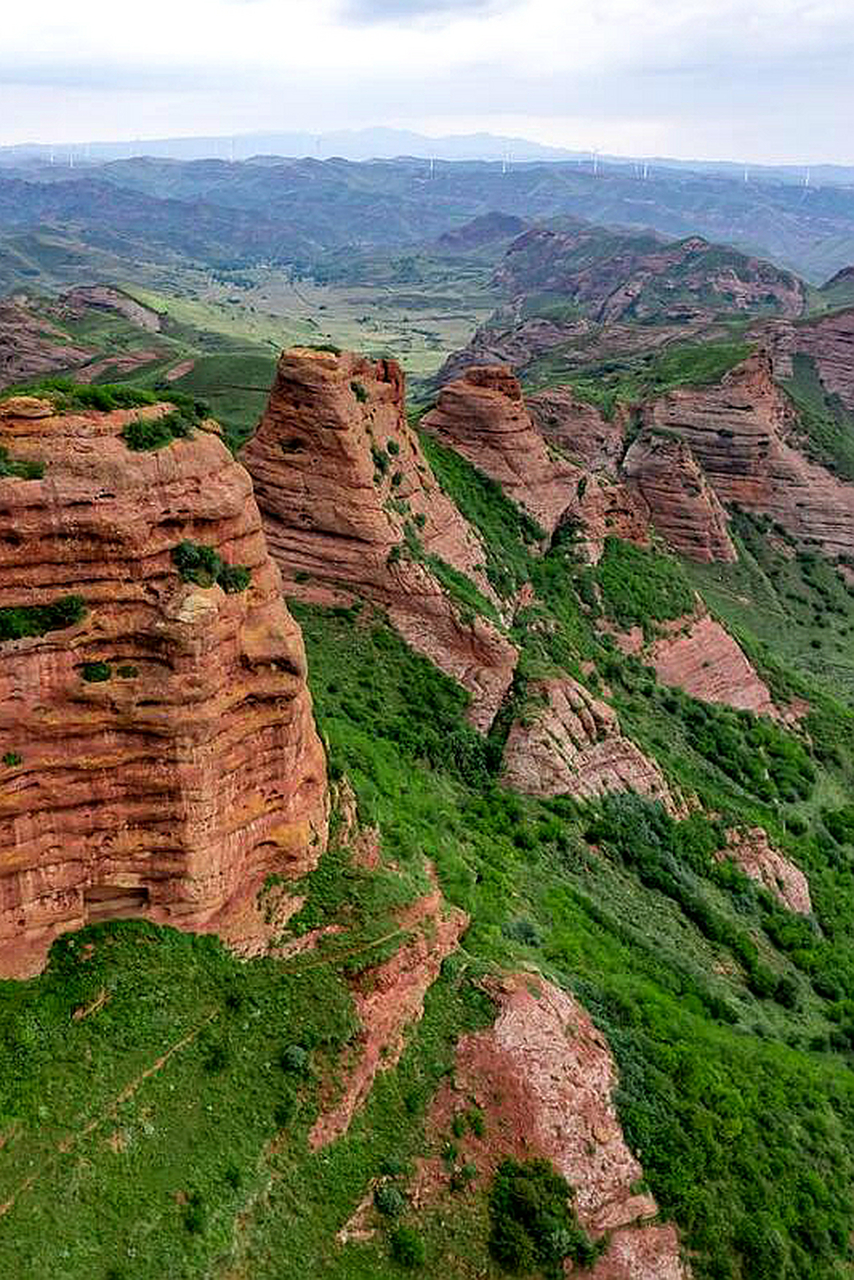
<point x="161" y="755"/>
<point x="828" y="340"/>
<point x="744" y="433"/>
<point x="349" y="505"/>
<point x="31" y="345"/>
<point x="681" y="503"/>
<point x="760" y="861"/>
<point x="544" y="1078"/>
<point x="483" y="416"/>
<point x="579" y="429"/>
<point x="102" y="297"/>
<point x="698" y="655"/>
<point x="389" y="998"/>
<point x="569" y="743"/>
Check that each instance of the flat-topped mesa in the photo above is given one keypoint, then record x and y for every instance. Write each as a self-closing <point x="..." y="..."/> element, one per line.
<point x="682" y="505"/>
<point x="159" y="754"/>
<point x="744" y="432"/>
<point x="351" y="509"/>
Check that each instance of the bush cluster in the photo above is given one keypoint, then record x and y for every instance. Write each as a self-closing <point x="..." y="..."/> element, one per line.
<point x="34" y="620"/>
<point x="533" y="1226"/>
<point x="204" y="566"/>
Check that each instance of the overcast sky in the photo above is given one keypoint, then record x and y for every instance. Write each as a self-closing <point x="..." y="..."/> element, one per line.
<point x="760" y="80"/>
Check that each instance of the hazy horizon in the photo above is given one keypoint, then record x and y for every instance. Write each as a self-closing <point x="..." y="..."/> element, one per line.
<point x="696" y="81"/>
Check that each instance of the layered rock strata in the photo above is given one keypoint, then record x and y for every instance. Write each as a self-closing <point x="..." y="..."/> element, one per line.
<point x="351" y="508"/>
<point x="760" y="861"/>
<point x="681" y="504"/>
<point x="545" y="1080"/>
<point x="828" y="340"/>
<point x="569" y="743"/>
<point x="698" y="655"/>
<point x="159" y="753"/>
<point x="744" y="433"/>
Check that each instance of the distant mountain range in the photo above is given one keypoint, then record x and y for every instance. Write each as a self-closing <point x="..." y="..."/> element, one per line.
<point x="387" y="144"/>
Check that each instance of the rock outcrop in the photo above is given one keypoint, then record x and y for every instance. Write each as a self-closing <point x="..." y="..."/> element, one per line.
<point x="579" y="429"/>
<point x="351" y="508"/>
<point x="682" y="505"/>
<point x="31" y="345"/>
<point x="483" y="416"/>
<point x="744" y="433"/>
<point x="698" y="655"/>
<point x="828" y="340"/>
<point x="159" y="750"/>
<point x="388" y="998"/>
<point x="544" y="1079"/>
<point x="569" y="743"/>
<point x="760" y="861"/>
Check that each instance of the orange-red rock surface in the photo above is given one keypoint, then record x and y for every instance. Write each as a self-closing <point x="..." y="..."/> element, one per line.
<point x="388" y="999"/>
<point x="569" y="743"/>
<point x="483" y="416"/>
<point x="759" y="860"/>
<point x="682" y="505"/>
<point x="744" y="433"/>
<point x="829" y="340"/>
<point x="590" y="439"/>
<point x="172" y="788"/>
<point x="698" y="655"/>
<point x="544" y="1078"/>
<point x="346" y="495"/>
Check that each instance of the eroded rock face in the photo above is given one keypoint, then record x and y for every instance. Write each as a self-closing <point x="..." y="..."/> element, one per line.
<point x="698" y="655"/>
<point x="349" y="504"/>
<point x="569" y="743"/>
<point x="743" y="432"/>
<point x="483" y="416"/>
<point x="682" y="505"/>
<point x="388" y="999"/>
<point x="590" y="439"/>
<point x="32" y="346"/>
<point x="759" y="860"/>
<point x="545" y="1079"/>
<point x="829" y="340"/>
<point x="173" y="786"/>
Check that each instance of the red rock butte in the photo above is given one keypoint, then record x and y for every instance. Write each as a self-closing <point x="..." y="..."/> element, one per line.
<point x="160" y="756"/>
<point x="352" y="509"/>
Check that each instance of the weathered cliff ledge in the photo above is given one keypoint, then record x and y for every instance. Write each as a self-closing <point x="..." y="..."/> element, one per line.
<point x="160" y="756"/>
<point x="544" y="1078"/>
<point x="745" y="435"/>
<point x="351" y="509"/>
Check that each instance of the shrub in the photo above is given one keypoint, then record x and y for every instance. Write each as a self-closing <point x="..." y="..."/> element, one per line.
<point x="294" y="1060"/>
<point x="389" y="1200"/>
<point x="359" y="392"/>
<point x="11" y="759"/>
<point x="19" y="470"/>
<point x="155" y="433"/>
<point x="35" y="620"/>
<point x="204" y="566"/>
<point x="407" y="1247"/>
<point x="532" y="1223"/>
<point x="96" y="672"/>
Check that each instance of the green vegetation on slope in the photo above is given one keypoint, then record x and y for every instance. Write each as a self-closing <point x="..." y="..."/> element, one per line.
<point x="625" y="380"/>
<point x="827" y="426"/>
<point x="17" y="621"/>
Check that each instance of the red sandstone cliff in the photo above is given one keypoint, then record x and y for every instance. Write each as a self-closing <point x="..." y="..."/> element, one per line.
<point x="744" y="434"/>
<point x="349" y="505"/>
<point x="829" y="340"/>
<point x="483" y="416"/>
<point x="171" y="788"/>
<point x="682" y="505"/>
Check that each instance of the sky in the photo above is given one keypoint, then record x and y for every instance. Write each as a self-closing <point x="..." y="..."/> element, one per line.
<point x="753" y="80"/>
